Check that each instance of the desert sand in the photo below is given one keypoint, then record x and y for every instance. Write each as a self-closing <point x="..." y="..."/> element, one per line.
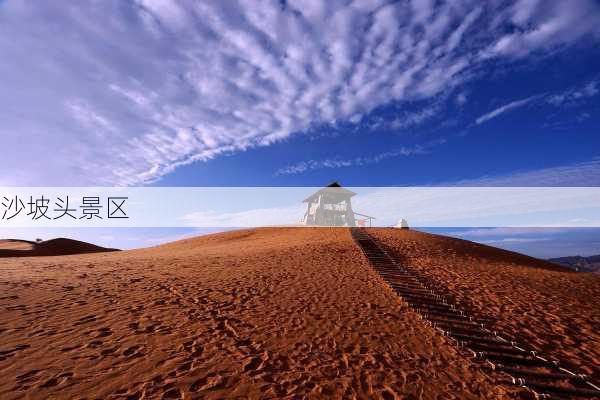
<point x="550" y="308"/>
<point x="53" y="247"/>
<point x="10" y="244"/>
<point x="268" y="313"/>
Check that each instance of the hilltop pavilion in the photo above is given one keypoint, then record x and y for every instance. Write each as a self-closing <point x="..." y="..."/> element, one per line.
<point x="331" y="206"/>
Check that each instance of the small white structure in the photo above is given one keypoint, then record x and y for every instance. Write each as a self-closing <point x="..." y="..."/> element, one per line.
<point x="402" y="224"/>
<point x="331" y="206"/>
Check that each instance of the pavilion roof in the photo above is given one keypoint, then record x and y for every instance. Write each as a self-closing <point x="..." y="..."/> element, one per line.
<point x="333" y="188"/>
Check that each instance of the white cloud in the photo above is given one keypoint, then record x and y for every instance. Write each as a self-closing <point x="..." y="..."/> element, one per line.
<point x="566" y="97"/>
<point x="505" y="231"/>
<point x="308" y="165"/>
<point x="124" y="93"/>
<point x="573" y="95"/>
<point x="503" y="109"/>
<point x="414" y="118"/>
<point x="87" y="117"/>
<point x="514" y="240"/>
<point x="137" y="97"/>
<point x="543" y="25"/>
<point x="584" y="174"/>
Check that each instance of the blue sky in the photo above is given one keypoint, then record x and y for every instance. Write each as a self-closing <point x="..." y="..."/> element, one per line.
<point x="285" y="93"/>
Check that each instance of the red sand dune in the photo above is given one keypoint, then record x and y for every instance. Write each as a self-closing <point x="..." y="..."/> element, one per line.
<point x="53" y="247"/>
<point x="551" y="308"/>
<point x="267" y="313"/>
<point x="13" y="244"/>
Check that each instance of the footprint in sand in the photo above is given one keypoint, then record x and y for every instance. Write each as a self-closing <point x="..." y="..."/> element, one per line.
<point x="254" y="365"/>
<point x="27" y="376"/>
<point x="94" y="343"/>
<point x="102" y="332"/>
<point x="133" y="351"/>
<point x="173" y="393"/>
<point x="109" y="351"/>
<point x="85" y="320"/>
<point x="70" y="348"/>
<point x="18" y="307"/>
<point x="57" y="380"/>
<point x="25" y="380"/>
<point x="389" y="394"/>
<point x="211" y="381"/>
<point x="4" y="354"/>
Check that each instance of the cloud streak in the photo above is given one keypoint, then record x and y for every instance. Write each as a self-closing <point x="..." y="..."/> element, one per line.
<point x="583" y="174"/>
<point x="505" y="231"/>
<point x="515" y="240"/>
<point x="567" y="97"/>
<point x="304" y="166"/>
<point x="574" y="95"/>
<point x="126" y="92"/>
<point x="505" y="108"/>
